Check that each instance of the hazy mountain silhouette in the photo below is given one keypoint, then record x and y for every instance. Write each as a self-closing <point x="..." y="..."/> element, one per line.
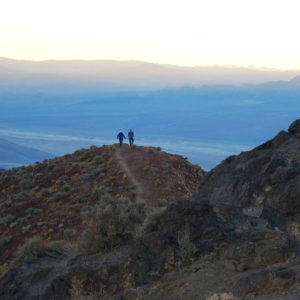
<point x="12" y="155"/>
<point x="289" y="85"/>
<point x="107" y="75"/>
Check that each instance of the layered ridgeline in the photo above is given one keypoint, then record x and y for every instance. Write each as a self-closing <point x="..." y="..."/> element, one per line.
<point x="236" y="238"/>
<point x="14" y="155"/>
<point x="109" y="75"/>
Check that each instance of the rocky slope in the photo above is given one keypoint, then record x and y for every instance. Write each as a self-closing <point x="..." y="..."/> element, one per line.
<point x="236" y="238"/>
<point x="265" y="181"/>
<point x="48" y="198"/>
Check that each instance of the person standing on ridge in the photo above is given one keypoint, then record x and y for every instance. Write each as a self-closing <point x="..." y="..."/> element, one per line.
<point x="130" y="136"/>
<point x="121" y="136"/>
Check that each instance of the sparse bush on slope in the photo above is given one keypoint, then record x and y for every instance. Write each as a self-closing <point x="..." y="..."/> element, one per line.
<point x="186" y="248"/>
<point x="112" y="223"/>
<point x="150" y="221"/>
<point x="30" y="251"/>
<point x="7" y="220"/>
<point x="80" y="292"/>
<point x="22" y="196"/>
<point x="27" y="183"/>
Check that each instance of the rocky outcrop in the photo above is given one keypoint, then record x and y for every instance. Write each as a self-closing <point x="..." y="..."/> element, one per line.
<point x="221" y="233"/>
<point x="264" y="181"/>
<point x="295" y="128"/>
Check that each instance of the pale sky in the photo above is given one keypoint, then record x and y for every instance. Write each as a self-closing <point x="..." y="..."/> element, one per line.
<point x="262" y="33"/>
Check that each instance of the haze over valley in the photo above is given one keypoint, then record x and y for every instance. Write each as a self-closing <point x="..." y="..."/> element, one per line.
<point x="203" y="113"/>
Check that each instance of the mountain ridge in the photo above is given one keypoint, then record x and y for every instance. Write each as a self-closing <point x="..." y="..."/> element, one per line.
<point x="12" y="154"/>
<point x="138" y="74"/>
<point x="41" y="192"/>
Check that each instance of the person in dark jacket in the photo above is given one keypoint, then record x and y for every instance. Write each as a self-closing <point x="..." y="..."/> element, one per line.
<point x="121" y="136"/>
<point x="130" y="136"/>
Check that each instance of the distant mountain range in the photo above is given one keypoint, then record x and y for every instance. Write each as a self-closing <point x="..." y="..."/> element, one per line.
<point x="292" y="84"/>
<point x="182" y="109"/>
<point x="105" y="75"/>
<point x="14" y="155"/>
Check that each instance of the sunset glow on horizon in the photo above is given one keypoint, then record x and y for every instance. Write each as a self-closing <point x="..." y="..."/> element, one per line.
<point x="260" y="33"/>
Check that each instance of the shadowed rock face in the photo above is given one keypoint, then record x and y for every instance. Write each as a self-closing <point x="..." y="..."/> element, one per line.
<point x="219" y="234"/>
<point x="263" y="179"/>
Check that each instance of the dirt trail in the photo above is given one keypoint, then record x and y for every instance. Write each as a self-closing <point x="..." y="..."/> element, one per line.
<point x="132" y="178"/>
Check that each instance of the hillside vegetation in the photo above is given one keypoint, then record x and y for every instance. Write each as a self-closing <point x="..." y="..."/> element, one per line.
<point x="52" y="199"/>
<point x="235" y="236"/>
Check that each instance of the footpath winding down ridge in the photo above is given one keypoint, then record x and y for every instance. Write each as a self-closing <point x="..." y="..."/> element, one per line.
<point x="125" y="167"/>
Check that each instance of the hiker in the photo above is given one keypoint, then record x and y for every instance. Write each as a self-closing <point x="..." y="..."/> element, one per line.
<point x="121" y="136"/>
<point x="130" y="136"/>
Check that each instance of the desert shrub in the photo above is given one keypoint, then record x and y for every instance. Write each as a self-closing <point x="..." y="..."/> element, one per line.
<point x="67" y="188"/>
<point x="80" y="199"/>
<point x="97" y="172"/>
<point x="70" y="234"/>
<point x="98" y="159"/>
<point x="87" y="212"/>
<point x="110" y="225"/>
<point x="22" y="196"/>
<point x="22" y="220"/>
<point x="59" y="196"/>
<point x="150" y="221"/>
<point x="57" y="168"/>
<point x="186" y="248"/>
<point x="98" y="192"/>
<point x="38" y="176"/>
<point x="131" y="193"/>
<point x="33" y="211"/>
<point x="32" y="249"/>
<point x="6" y="178"/>
<point x="5" y="241"/>
<point x="53" y="167"/>
<point x="57" y="245"/>
<point x="146" y="169"/>
<point x="83" y="156"/>
<point x="167" y="166"/>
<point x="161" y="202"/>
<point x="3" y="269"/>
<point x="70" y="209"/>
<point x="62" y="179"/>
<point x="85" y="176"/>
<point x="27" y="183"/>
<point x="7" y="220"/>
<point x="157" y="182"/>
<point x="14" y="188"/>
<point x="79" y="291"/>
<point x="21" y="171"/>
<point x="7" y="203"/>
<point x="166" y="191"/>
<point x="45" y="192"/>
